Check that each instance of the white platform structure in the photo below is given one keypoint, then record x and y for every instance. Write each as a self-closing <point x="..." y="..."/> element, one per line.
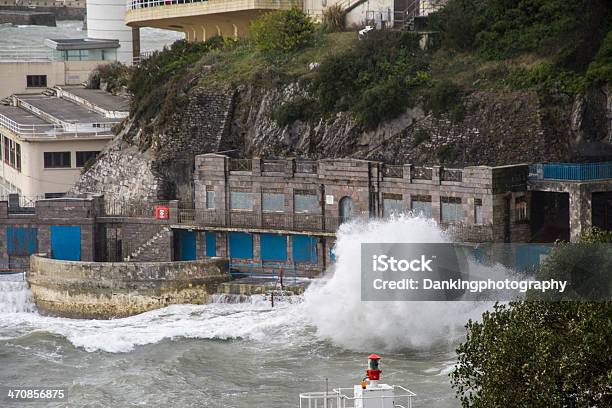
<point x="383" y="396"/>
<point x="369" y="394"/>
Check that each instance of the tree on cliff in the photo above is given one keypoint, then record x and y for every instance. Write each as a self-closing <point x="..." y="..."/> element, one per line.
<point x="539" y="353"/>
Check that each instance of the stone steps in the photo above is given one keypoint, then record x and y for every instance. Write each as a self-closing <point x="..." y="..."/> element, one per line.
<point x="146" y="244"/>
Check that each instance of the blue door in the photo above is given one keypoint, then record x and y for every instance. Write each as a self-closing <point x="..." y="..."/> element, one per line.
<point x="21" y="241"/>
<point x="211" y="243"/>
<point x="273" y="247"/>
<point x="529" y="256"/>
<point x="66" y="242"/>
<point x="241" y="245"/>
<point x="187" y="245"/>
<point x="304" y="249"/>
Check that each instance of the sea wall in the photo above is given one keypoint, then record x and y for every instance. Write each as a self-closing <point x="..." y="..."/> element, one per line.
<point x="27" y="18"/>
<point x="61" y="13"/>
<point x="105" y="290"/>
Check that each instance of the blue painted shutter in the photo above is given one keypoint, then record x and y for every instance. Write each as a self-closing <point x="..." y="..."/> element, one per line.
<point x="21" y="241"/>
<point x="211" y="244"/>
<point x="273" y="247"/>
<point x="304" y="248"/>
<point x="187" y="241"/>
<point x="241" y="245"/>
<point x="66" y="242"/>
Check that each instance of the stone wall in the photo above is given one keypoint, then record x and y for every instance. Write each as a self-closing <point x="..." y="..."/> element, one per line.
<point x="27" y="18"/>
<point x="97" y="290"/>
<point x="197" y="128"/>
<point x="61" y="13"/>
<point x="366" y="183"/>
<point x="140" y="165"/>
<point x="122" y="173"/>
<point x="147" y="241"/>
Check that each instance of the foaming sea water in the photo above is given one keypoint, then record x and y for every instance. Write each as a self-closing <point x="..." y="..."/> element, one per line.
<point x="15" y="296"/>
<point x="241" y="352"/>
<point x="336" y="309"/>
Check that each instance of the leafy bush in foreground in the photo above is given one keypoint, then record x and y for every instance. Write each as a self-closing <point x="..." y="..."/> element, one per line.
<point x="542" y="353"/>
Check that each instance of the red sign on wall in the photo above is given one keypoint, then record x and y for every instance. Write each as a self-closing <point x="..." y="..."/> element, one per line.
<point x="162" y="212"/>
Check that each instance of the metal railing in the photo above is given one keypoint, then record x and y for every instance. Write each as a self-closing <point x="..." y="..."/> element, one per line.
<point x="142" y="56"/>
<point x="240" y="165"/>
<point x="17" y="200"/>
<point x="393" y="171"/>
<point x="571" y="171"/>
<point x="451" y="175"/>
<point x="416" y="8"/>
<point x="286" y="274"/>
<point x="274" y="221"/>
<point x="48" y="130"/>
<point x="135" y="209"/>
<point x="422" y="173"/>
<point x="141" y="4"/>
<point x="346" y="398"/>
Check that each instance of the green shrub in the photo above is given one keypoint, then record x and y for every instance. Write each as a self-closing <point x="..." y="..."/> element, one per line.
<point x="420" y="136"/>
<point x="447" y="154"/>
<point x="446" y="97"/>
<point x="459" y="22"/>
<point x="546" y="78"/>
<point x="158" y="83"/>
<point x="299" y="108"/>
<point x="600" y="70"/>
<point x="115" y="75"/>
<point x="334" y="19"/>
<point x="282" y="31"/>
<point x="571" y="30"/>
<point x="380" y="102"/>
<point x="374" y="78"/>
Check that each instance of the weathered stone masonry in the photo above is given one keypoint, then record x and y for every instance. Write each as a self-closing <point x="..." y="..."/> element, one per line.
<point x="102" y="290"/>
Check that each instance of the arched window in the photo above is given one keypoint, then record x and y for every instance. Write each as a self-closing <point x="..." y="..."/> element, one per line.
<point x="345" y="209"/>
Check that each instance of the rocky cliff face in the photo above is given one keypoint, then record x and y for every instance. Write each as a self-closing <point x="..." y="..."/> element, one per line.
<point x="141" y="163"/>
<point x="497" y="128"/>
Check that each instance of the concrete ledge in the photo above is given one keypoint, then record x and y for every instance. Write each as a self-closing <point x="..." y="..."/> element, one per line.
<point x="105" y="290"/>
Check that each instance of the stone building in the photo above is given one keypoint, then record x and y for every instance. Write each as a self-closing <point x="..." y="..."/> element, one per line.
<point x="283" y="214"/>
<point x="46" y="139"/>
<point x="280" y="217"/>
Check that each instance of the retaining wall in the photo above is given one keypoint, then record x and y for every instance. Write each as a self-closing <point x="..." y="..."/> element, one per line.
<point x="105" y="290"/>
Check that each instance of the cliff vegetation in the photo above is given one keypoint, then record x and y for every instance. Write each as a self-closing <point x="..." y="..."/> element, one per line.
<point x="492" y="82"/>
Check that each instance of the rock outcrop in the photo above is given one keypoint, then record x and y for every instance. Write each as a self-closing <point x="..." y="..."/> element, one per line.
<point x="497" y="128"/>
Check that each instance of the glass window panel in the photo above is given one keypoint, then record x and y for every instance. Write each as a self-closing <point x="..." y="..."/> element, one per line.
<point x="421" y="208"/>
<point x="451" y="212"/>
<point x="241" y="200"/>
<point x="210" y="199"/>
<point x="478" y="214"/>
<point x="273" y="202"/>
<point x="392" y="206"/>
<point x="306" y="203"/>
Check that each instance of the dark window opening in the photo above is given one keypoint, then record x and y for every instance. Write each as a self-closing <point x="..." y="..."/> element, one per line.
<point x="57" y="160"/>
<point x="36" y="81"/>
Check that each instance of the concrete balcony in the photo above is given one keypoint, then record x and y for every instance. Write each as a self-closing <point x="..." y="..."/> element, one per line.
<point x="200" y="20"/>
